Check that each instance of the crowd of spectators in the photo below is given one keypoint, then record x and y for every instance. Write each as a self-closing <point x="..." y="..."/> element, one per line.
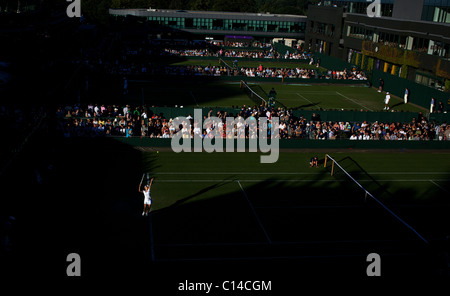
<point x="227" y="43"/>
<point x="236" y="53"/>
<point x="260" y="71"/>
<point x="125" y="68"/>
<point x="141" y="60"/>
<point x="263" y="72"/>
<point x="113" y="120"/>
<point x="279" y="72"/>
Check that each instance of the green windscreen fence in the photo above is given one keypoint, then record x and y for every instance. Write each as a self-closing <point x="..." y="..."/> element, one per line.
<point x="332" y="63"/>
<point x="309" y="144"/>
<point x="355" y="116"/>
<point x="335" y="116"/>
<point x="418" y="94"/>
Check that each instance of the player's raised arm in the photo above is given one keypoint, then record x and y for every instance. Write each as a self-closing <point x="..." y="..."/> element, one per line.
<point x="150" y="186"/>
<point x="140" y="184"/>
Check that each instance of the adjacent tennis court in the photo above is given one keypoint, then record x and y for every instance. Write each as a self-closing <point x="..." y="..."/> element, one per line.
<point x="289" y="95"/>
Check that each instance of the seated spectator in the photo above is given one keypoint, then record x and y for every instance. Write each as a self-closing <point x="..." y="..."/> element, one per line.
<point x="314" y="162"/>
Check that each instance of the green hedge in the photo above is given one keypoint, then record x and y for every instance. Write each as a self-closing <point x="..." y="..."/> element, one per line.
<point x="313" y="144"/>
<point x="293" y="80"/>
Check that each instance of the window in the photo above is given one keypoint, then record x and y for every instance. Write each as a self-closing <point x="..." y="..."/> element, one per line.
<point x="420" y="44"/>
<point x="356" y="32"/>
<point x="436" y="11"/>
<point x="188" y="23"/>
<point x="217" y="24"/>
<point x="430" y="81"/>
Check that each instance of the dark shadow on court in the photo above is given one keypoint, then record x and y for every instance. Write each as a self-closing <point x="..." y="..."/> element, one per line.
<point x="204" y="190"/>
<point x="398" y="104"/>
<point x="311" y="224"/>
<point x="306" y="106"/>
<point x="359" y="173"/>
<point x="88" y="204"/>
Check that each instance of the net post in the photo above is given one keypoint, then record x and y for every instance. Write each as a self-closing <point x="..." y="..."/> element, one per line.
<point x="332" y="168"/>
<point x="325" y="163"/>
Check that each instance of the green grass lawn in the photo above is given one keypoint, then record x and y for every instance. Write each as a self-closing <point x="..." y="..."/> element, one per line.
<point x="228" y="208"/>
<point x="395" y="171"/>
<point x="209" y="202"/>
<point x="297" y="96"/>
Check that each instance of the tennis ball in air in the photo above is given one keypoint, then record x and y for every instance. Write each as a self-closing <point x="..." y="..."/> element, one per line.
<point x="157" y="151"/>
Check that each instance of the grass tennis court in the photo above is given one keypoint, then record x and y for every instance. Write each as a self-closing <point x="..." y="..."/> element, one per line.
<point x="229" y="206"/>
<point x="296" y="96"/>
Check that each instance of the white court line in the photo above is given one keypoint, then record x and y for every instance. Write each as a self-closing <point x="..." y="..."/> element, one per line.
<point x="289" y="180"/>
<point x="195" y="100"/>
<point x="225" y="244"/>
<point x="295" y="173"/>
<point x="260" y="258"/>
<point x="353" y="101"/>
<point x="254" y="212"/>
<point x="152" y="248"/>
<point x="313" y="93"/>
<point x="307" y="100"/>
<point x="439" y="186"/>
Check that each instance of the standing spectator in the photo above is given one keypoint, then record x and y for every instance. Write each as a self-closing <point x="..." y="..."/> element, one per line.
<point x="440" y="107"/>
<point x="432" y="104"/>
<point x="405" y="97"/>
<point x="386" y="101"/>
<point x="272" y="92"/>
<point x="125" y="86"/>
<point x="380" y="85"/>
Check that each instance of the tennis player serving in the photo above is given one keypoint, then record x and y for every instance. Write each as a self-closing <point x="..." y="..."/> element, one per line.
<point x="147" y="197"/>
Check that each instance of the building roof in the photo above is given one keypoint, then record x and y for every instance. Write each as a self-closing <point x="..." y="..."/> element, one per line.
<point x="208" y="14"/>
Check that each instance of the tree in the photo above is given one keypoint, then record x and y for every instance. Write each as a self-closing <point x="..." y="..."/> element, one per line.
<point x="200" y="5"/>
<point x="96" y="11"/>
<point x="235" y="5"/>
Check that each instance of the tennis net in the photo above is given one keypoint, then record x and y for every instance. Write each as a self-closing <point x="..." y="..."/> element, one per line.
<point x="252" y="94"/>
<point x="230" y="69"/>
<point x="338" y="171"/>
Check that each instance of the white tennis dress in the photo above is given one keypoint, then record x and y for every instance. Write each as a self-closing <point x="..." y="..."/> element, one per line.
<point x="147" y="197"/>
